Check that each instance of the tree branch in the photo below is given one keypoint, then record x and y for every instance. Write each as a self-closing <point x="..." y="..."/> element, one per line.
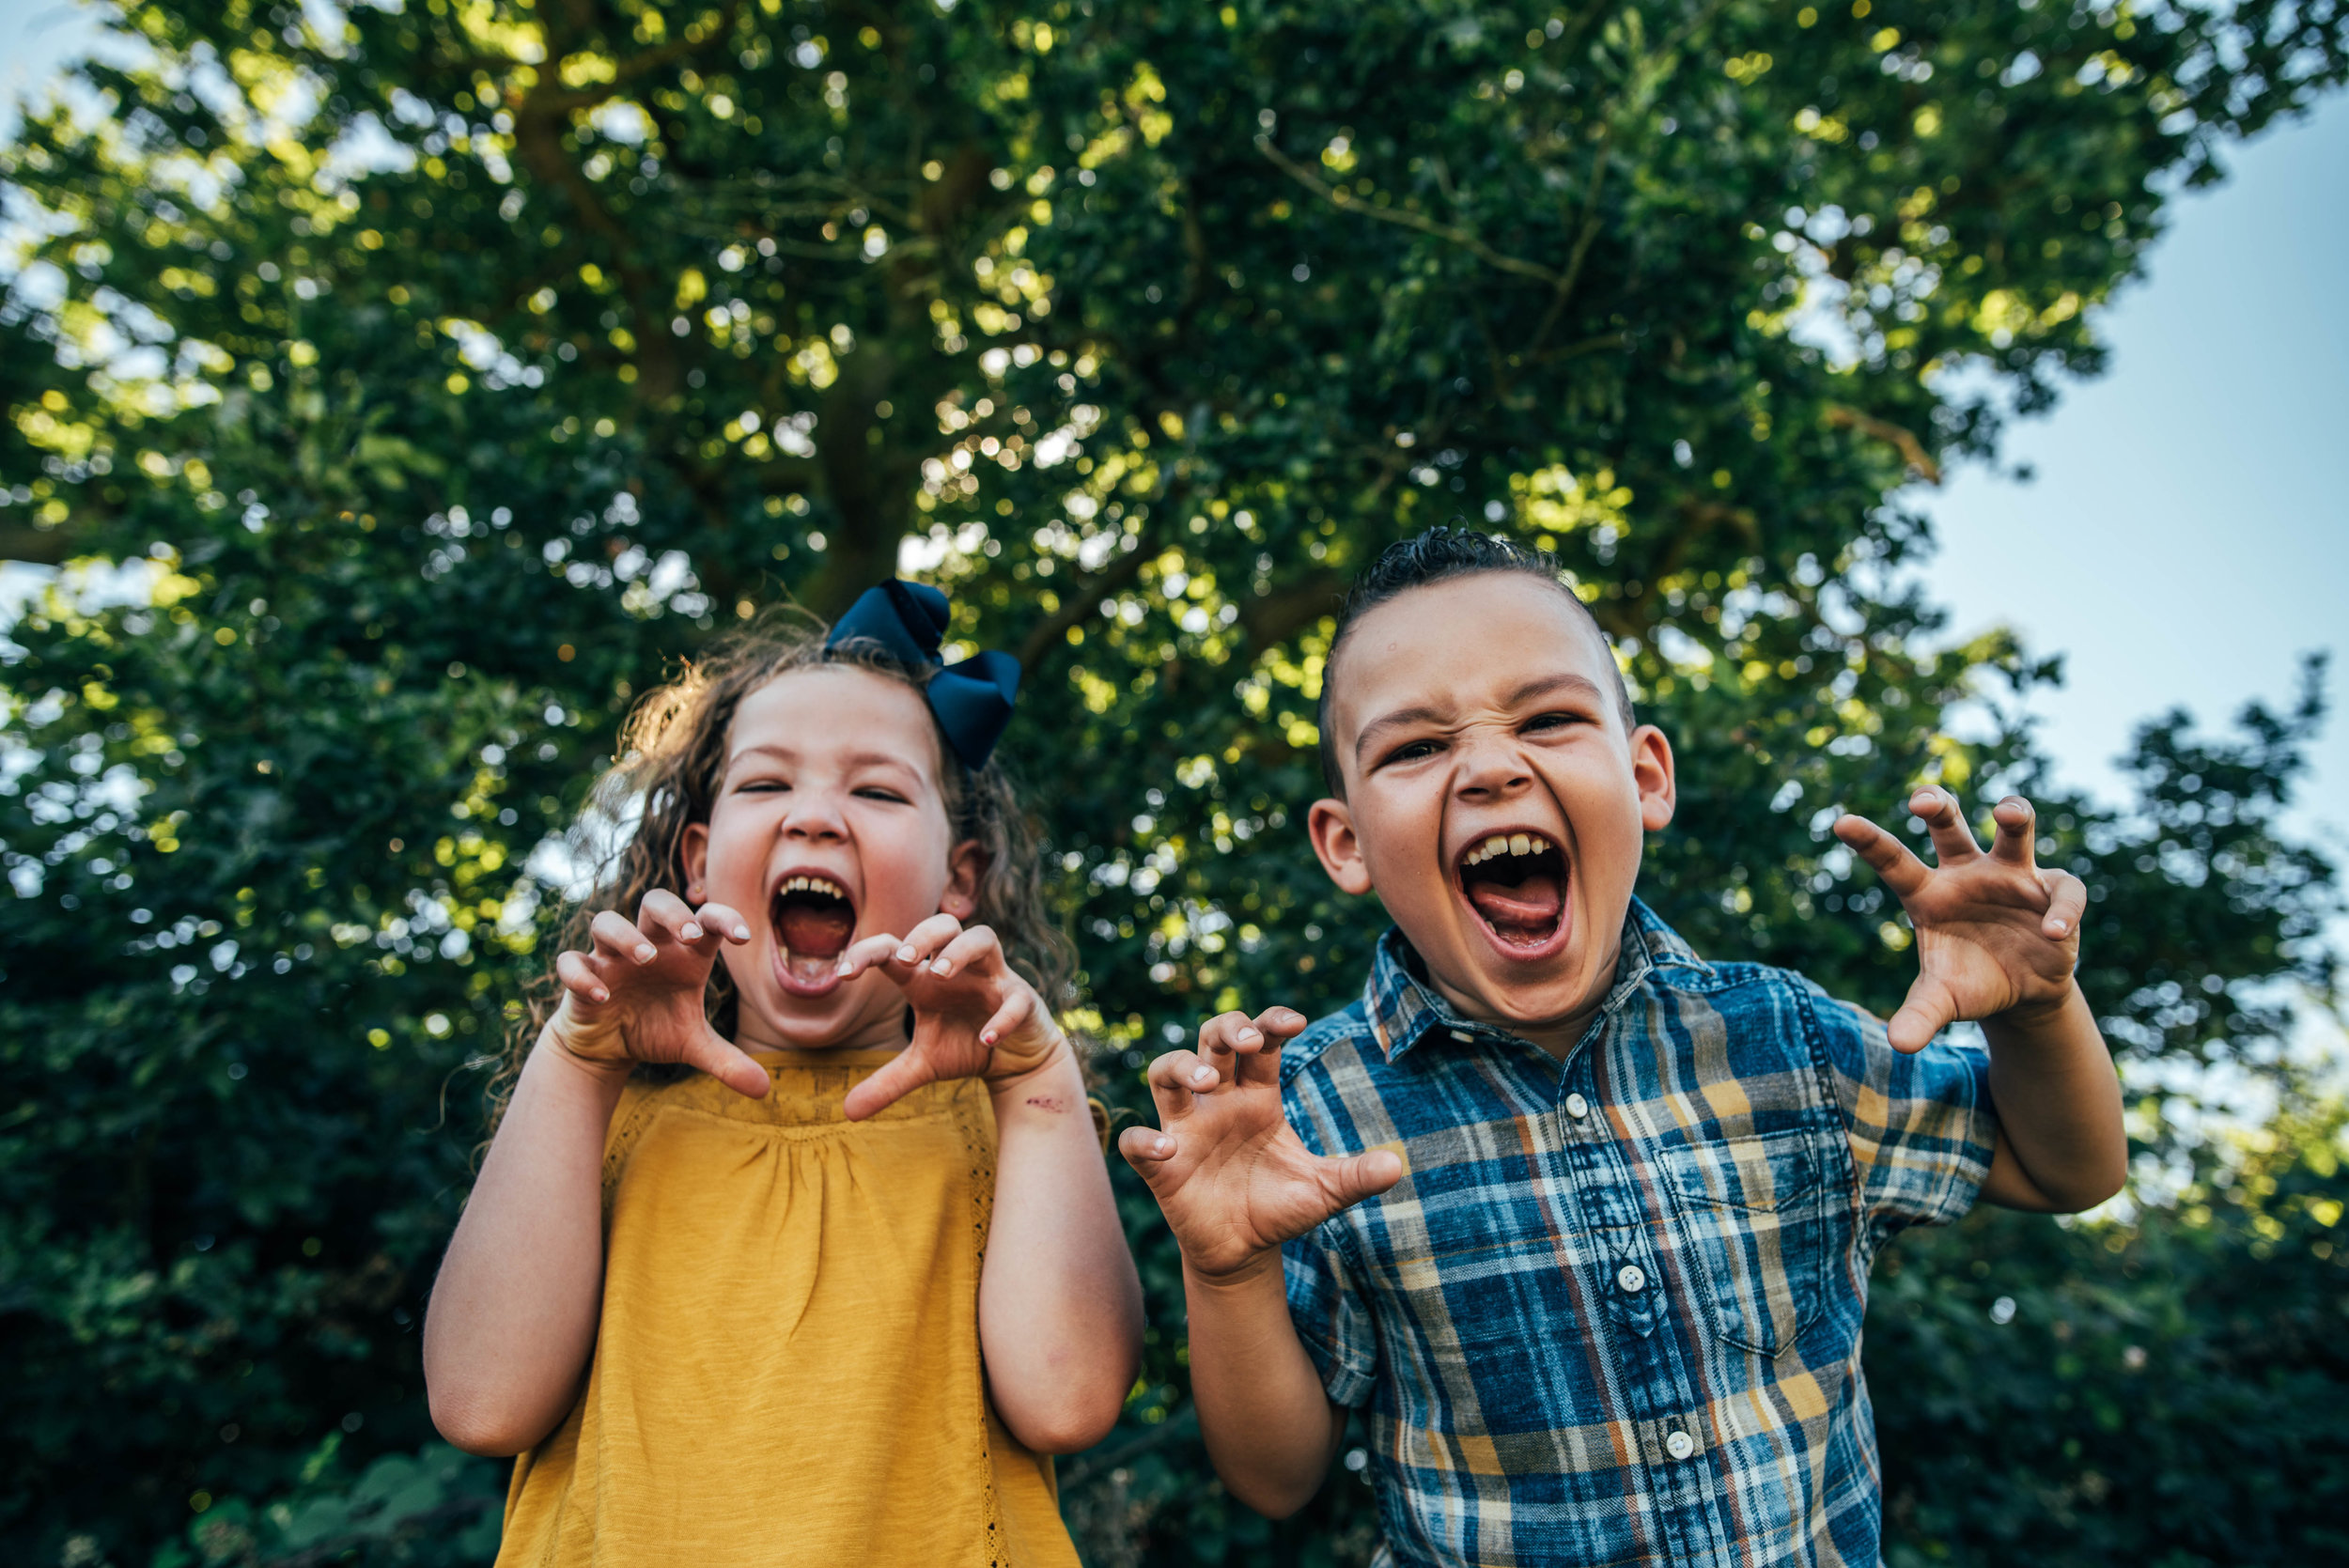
<point x="1843" y="418"/>
<point x="1404" y="218"/>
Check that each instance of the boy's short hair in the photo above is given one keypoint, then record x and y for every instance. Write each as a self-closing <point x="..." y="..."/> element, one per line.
<point x="1438" y="555"/>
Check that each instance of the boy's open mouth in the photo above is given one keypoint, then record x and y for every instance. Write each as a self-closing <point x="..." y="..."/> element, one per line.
<point x="812" y="920"/>
<point x="1516" y="884"/>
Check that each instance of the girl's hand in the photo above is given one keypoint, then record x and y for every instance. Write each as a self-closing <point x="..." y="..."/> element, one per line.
<point x="1996" y="933"/>
<point x="973" y="1015"/>
<point x="638" y="996"/>
<point x="1229" y="1173"/>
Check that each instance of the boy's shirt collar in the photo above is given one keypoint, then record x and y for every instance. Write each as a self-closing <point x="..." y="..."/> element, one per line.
<point x="1405" y="1007"/>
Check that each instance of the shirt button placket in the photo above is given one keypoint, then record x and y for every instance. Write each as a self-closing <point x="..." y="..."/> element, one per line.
<point x="1679" y="1444"/>
<point x="1577" y="1106"/>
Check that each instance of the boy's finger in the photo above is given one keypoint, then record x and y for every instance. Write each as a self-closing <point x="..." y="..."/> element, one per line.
<point x="572" y="970"/>
<point x="617" y="937"/>
<point x="1225" y="1034"/>
<point x="724" y="921"/>
<point x="1929" y="1010"/>
<point x="1173" y="1079"/>
<point x="1953" y="840"/>
<point x="1902" y="871"/>
<point x="1349" y="1180"/>
<point x="971" y="950"/>
<point x="722" y="1060"/>
<point x="2015" y="841"/>
<point x="1145" y="1149"/>
<point x="2067" y="900"/>
<point x="891" y="1082"/>
<point x="1275" y="1027"/>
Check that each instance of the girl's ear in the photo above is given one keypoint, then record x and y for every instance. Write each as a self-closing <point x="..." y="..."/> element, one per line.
<point x="965" y="864"/>
<point x="695" y="848"/>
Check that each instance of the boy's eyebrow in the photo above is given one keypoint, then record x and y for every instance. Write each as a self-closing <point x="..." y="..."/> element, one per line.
<point x="1538" y="686"/>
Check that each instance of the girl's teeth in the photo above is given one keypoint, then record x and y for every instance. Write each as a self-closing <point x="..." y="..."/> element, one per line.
<point x="1521" y="844"/>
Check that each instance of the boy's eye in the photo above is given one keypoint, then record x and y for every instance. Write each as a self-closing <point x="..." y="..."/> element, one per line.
<point x="1552" y="721"/>
<point x="1412" y="751"/>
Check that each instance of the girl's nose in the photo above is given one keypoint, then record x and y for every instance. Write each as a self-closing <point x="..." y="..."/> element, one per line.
<point x="815" y="814"/>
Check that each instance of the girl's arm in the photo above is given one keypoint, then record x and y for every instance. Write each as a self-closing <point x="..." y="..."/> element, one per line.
<point x="514" y="1311"/>
<point x="1060" y="1308"/>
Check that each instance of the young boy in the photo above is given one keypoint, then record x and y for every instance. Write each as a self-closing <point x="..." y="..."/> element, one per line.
<point x="1583" y="1219"/>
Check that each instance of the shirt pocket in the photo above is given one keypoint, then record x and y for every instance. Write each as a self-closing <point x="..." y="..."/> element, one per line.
<point x="1753" y="1217"/>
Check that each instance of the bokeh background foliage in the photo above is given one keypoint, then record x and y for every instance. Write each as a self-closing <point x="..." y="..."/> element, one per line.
<point x="398" y="388"/>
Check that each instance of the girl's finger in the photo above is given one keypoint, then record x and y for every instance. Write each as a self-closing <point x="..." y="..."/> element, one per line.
<point x="572" y="969"/>
<point x="1953" y="840"/>
<point x="664" y="916"/>
<point x="2014" y="841"/>
<point x="724" y="920"/>
<point x="2067" y="900"/>
<point x="972" y="950"/>
<point x="1173" y="1079"/>
<point x="900" y="1075"/>
<point x="861" y="956"/>
<point x="616" y="938"/>
<point x="722" y="1061"/>
<point x="1902" y="871"/>
<point x="1017" y="1010"/>
<point x="922" y="942"/>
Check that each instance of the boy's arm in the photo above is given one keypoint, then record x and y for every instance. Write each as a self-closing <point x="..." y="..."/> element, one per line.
<point x="1997" y="940"/>
<point x="1060" y="1307"/>
<point x="1235" y="1183"/>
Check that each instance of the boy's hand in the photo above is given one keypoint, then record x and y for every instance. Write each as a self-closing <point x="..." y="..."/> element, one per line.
<point x="1228" y="1171"/>
<point x="1995" y="932"/>
<point x="973" y="1015"/>
<point x="638" y="995"/>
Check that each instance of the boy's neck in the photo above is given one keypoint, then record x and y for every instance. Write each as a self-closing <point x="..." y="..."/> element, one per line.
<point x="1558" y="1037"/>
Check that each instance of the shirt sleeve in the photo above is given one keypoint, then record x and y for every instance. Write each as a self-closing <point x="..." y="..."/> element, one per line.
<point x="1922" y="1127"/>
<point x="1333" y="1319"/>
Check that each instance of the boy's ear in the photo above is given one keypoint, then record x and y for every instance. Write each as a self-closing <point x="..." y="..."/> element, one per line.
<point x="965" y="864"/>
<point x="1330" y="822"/>
<point x="1652" y="770"/>
<point x="694" y="850"/>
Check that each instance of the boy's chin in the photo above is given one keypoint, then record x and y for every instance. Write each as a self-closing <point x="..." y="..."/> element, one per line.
<point x="1522" y="982"/>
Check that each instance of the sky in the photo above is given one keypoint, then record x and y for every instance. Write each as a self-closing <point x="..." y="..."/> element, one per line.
<point x="2186" y="537"/>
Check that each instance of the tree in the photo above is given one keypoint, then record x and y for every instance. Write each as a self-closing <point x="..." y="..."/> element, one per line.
<point x="399" y="386"/>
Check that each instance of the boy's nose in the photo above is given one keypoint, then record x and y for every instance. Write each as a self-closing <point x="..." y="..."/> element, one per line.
<point x="1492" y="768"/>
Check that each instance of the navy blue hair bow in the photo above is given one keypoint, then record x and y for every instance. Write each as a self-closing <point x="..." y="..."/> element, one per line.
<point x="972" y="699"/>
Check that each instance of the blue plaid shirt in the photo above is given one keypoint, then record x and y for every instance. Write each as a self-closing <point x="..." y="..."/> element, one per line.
<point x="1611" y="1312"/>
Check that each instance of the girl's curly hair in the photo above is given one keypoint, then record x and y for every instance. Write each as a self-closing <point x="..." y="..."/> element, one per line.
<point x="672" y="760"/>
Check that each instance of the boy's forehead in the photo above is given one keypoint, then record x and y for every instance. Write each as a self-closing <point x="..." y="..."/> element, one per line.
<point x="1449" y="640"/>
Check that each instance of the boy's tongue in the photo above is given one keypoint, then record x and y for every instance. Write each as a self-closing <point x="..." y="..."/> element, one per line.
<point x="814" y="935"/>
<point x="1522" y="912"/>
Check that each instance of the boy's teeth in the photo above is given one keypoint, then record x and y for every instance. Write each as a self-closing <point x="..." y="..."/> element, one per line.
<point x="1507" y="844"/>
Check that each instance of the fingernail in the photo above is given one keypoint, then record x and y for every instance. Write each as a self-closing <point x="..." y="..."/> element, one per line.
<point x="941" y="966"/>
<point x="2058" y="927"/>
<point x="742" y="933"/>
<point x="644" y="954"/>
<point x="1163" y="1147"/>
<point x="906" y="953"/>
<point x="841" y="968"/>
<point x="1248" y="1036"/>
<point x="1202" y="1074"/>
<point x="691" y="933"/>
<point x="988" y="1036"/>
<point x="603" y="996"/>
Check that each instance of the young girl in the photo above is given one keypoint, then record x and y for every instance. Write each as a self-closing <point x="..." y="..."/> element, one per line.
<point x="794" y="1242"/>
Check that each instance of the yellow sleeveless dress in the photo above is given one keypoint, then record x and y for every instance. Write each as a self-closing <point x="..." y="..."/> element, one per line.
<point x="787" y="1368"/>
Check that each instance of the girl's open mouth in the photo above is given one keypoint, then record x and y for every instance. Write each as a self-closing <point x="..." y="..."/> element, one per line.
<point x="813" y="921"/>
<point x="1516" y="884"/>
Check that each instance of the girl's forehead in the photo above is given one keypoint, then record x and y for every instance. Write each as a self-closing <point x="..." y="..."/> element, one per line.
<point x="837" y="710"/>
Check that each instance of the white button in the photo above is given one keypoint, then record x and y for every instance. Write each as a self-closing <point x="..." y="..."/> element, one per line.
<point x="1632" y="1278"/>
<point x="1680" y="1445"/>
<point x="1577" y="1106"/>
<point x="1462" y="1034"/>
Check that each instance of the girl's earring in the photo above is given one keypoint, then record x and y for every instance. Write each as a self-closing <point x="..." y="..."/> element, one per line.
<point x="693" y="893"/>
